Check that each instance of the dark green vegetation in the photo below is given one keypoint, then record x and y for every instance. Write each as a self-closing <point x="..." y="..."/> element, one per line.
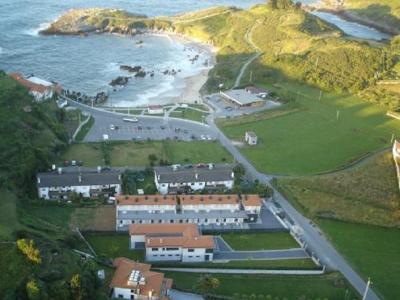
<point x="243" y="287"/>
<point x="260" y="241"/>
<point x="309" y="135"/>
<point x="120" y="154"/>
<point x="373" y="251"/>
<point x="365" y="194"/>
<point x="31" y="135"/>
<point x="43" y="263"/>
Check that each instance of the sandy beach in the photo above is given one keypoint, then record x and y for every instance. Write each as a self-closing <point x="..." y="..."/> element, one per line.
<point x="194" y="83"/>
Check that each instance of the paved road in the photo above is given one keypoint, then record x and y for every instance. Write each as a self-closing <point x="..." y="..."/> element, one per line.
<point x="316" y="241"/>
<point x="261" y="255"/>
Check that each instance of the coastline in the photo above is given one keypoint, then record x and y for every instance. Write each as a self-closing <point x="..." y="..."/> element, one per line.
<point x="192" y="83"/>
<point x="348" y="16"/>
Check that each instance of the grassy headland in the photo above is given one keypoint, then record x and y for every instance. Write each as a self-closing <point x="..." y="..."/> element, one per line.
<point x="294" y="44"/>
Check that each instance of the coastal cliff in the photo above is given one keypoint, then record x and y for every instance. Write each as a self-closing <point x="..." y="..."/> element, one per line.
<point x="84" y="21"/>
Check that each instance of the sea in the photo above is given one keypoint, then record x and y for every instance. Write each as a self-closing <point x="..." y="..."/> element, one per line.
<point x="88" y="64"/>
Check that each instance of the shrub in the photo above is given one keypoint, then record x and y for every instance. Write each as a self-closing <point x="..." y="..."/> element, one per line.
<point x="28" y="248"/>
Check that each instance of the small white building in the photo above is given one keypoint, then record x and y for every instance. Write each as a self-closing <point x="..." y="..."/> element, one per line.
<point x="40" y="89"/>
<point x="172" y="242"/>
<point x="132" y="280"/>
<point x="251" y="138"/>
<point x="155" y="110"/>
<point x="176" y="178"/>
<point x="58" y="185"/>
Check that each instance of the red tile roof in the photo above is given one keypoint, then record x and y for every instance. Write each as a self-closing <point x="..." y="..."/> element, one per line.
<point x="28" y="84"/>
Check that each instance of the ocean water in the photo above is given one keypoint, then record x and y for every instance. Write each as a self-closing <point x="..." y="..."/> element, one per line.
<point x="88" y="64"/>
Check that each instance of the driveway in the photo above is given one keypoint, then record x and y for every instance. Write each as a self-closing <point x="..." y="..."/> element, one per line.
<point x="262" y="255"/>
<point x="178" y="295"/>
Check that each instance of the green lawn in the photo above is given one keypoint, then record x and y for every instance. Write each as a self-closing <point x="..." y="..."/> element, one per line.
<point x="190" y="114"/>
<point x="137" y="153"/>
<point x="260" y="241"/>
<point x="367" y="193"/>
<point x="311" y="139"/>
<point x="89" y="153"/>
<point x="241" y="287"/>
<point x="373" y="251"/>
<point x="286" y="264"/>
<point x="113" y="245"/>
<point x="8" y="215"/>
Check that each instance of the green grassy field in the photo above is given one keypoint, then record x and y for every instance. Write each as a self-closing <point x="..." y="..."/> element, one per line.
<point x="137" y="153"/>
<point x="311" y="138"/>
<point x="189" y="114"/>
<point x="8" y="215"/>
<point x="330" y="286"/>
<point x="260" y="241"/>
<point x="368" y="193"/>
<point x="373" y="251"/>
<point x="113" y="245"/>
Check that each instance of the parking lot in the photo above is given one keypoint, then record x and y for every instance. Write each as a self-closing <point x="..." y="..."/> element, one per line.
<point x="111" y="126"/>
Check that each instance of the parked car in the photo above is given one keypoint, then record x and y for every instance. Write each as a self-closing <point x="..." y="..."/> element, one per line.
<point x="112" y="127"/>
<point x="132" y="120"/>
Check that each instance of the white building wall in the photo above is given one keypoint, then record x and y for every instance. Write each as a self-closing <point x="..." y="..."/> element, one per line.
<point x="253" y="209"/>
<point x="196" y="255"/>
<point x="136" y="239"/>
<point x="125" y="293"/>
<point x="149" y="208"/>
<point x="211" y="207"/>
<point x="163" y="254"/>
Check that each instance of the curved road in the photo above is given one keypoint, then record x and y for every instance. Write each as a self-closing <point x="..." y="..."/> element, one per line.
<point x="315" y="241"/>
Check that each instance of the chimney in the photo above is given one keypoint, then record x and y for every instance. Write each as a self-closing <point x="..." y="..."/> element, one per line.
<point x="80" y="178"/>
<point x="196" y="176"/>
<point x="98" y="169"/>
<point x="59" y="171"/>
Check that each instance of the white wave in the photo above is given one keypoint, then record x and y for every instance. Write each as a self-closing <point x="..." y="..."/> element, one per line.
<point x="35" y="31"/>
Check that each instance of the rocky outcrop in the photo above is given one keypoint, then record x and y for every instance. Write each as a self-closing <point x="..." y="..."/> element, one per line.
<point x="84" y="21"/>
<point x="130" y="69"/>
<point x="119" y="81"/>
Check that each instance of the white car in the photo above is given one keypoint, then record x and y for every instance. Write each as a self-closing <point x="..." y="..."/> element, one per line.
<point x="112" y="127"/>
<point x="203" y="137"/>
<point x="209" y="138"/>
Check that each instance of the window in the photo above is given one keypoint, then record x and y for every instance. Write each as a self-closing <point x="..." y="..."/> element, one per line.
<point x="154" y="249"/>
<point x="209" y="251"/>
<point x="172" y="249"/>
<point x="162" y="255"/>
<point x="169" y="254"/>
<point x="180" y="221"/>
<point x="133" y="222"/>
<point x="190" y="250"/>
<point x="152" y="221"/>
<point x="171" y="221"/>
<point x="224" y="220"/>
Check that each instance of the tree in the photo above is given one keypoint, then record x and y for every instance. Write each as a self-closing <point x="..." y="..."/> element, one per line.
<point x="152" y="158"/>
<point x="207" y="283"/>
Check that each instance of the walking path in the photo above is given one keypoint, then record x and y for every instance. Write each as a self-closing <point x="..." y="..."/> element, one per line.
<point x="243" y="271"/>
<point x="249" y="40"/>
